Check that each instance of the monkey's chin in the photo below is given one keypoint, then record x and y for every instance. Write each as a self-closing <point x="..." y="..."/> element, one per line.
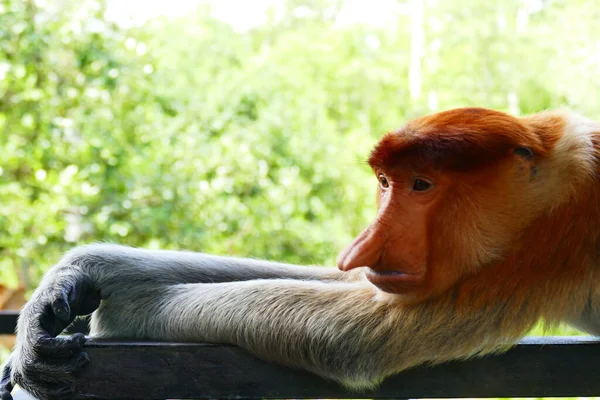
<point x="394" y="282"/>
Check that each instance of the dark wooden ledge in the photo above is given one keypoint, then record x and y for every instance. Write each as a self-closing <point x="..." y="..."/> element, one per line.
<point x="537" y="367"/>
<point x="8" y="322"/>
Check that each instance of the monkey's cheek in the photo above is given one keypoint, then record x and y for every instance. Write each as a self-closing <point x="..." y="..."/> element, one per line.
<point x="395" y="282"/>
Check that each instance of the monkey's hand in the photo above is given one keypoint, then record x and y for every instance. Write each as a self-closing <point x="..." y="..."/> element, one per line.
<point x="42" y="363"/>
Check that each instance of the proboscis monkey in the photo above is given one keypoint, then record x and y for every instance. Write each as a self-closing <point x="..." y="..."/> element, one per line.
<point x="486" y="223"/>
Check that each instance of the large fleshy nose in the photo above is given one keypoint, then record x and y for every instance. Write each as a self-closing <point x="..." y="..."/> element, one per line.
<point x="364" y="251"/>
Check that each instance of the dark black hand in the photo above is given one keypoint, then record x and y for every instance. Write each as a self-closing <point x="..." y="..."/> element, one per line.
<point x="43" y="364"/>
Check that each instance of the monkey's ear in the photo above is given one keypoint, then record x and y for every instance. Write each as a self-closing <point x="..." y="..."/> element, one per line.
<point x="526" y="155"/>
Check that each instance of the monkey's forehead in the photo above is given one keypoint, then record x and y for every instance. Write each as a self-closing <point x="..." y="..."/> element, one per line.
<point x="458" y="139"/>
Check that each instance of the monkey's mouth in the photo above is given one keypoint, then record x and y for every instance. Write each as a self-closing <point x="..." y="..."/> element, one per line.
<point x="386" y="273"/>
<point x="394" y="281"/>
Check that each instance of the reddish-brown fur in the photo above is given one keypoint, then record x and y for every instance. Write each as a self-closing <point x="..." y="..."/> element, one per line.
<point x="459" y="139"/>
<point x="491" y="227"/>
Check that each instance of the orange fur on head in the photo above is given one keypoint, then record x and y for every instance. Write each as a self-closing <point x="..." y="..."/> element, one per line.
<point x="459" y="139"/>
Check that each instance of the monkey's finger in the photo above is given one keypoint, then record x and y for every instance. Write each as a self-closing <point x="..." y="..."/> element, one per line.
<point x="57" y="371"/>
<point x="5" y="395"/>
<point x="48" y="391"/>
<point x="50" y="378"/>
<point x="90" y="300"/>
<point x="59" y="347"/>
<point x="84" y="297"/>
<point x="61" y="308"/>
<point x="6" y="385"/>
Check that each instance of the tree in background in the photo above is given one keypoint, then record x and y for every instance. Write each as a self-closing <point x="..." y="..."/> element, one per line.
<point x="72" y="97"/>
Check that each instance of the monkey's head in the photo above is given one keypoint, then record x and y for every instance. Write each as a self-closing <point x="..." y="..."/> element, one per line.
<point x="457" y="190"/>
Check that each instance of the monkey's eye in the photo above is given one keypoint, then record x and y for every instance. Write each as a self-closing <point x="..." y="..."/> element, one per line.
<point x="420" y="185"/>
<point x="383" y="182"/>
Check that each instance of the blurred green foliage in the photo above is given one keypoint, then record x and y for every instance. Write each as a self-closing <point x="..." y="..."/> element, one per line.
<point x="184" y="133"/>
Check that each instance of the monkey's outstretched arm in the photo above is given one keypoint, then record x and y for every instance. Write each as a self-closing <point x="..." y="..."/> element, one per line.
<point x="336" y="330"/>
<point x="109" y="263"/>
<point x="76" y="285"/>
<point x="331" y="328"/>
